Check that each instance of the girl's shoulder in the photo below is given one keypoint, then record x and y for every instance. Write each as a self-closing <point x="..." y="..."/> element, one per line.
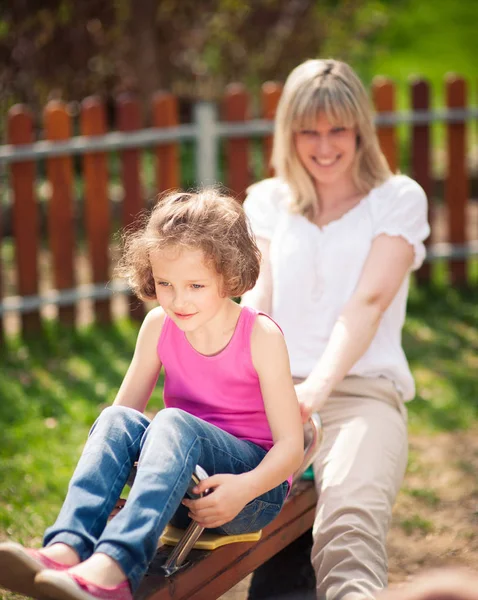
<point x="154" y="320"/>
<point x="267" y="340"/>
<point x="265" y="332"/>
<point x="265" y="325"/>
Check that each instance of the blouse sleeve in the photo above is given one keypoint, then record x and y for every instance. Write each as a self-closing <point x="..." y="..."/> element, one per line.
<point x="262" y="207"/>
<point x="403" y="212"/>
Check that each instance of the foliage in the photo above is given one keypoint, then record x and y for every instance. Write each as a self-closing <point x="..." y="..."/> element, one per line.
<point x="72" y="49"/>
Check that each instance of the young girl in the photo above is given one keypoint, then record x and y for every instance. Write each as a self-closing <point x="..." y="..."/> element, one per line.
<point x="230" y="407"/>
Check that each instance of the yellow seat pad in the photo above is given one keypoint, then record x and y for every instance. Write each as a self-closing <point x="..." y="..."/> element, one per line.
<point x="208" y="541"/>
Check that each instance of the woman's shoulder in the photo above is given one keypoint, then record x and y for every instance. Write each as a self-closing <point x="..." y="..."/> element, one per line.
<point x="265" y="204"/>
<point x="271" y="184"/>
<point x="398" y="194"/>
<point x="273" y="190"/>
<point x="396" y="185"/>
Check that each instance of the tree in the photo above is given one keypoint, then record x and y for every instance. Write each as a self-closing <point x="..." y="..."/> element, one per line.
<point x="70" y="49"/>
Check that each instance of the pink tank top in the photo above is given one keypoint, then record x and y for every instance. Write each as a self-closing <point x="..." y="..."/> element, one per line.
<point x="222" y="389"/>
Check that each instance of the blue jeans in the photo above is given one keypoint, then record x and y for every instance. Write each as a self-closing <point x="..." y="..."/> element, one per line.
<point x="167" y="449"/>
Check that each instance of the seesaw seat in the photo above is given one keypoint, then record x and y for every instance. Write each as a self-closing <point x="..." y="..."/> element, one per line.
<point x="208" y="540"/>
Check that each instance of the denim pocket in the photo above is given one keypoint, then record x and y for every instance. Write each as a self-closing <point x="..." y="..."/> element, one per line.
<point x="254" y="516"/>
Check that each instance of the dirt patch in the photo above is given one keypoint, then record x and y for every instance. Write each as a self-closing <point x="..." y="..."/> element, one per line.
<point x="435" y="519"/>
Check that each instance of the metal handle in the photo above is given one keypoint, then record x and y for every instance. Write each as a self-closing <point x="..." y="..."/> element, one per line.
<point x="182" y="549"/>
<point x="312" y="448"/>
<point x="190" y="536"/>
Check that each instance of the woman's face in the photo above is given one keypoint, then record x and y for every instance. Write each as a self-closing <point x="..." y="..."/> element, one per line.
<point x="327" y="151"/>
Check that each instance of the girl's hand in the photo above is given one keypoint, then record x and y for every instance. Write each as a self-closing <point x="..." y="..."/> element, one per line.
<point x="311" y="398"/>
<point x="228" y="497"/>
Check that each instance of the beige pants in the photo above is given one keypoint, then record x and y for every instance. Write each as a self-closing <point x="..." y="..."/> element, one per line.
<point x="358" y="474"/>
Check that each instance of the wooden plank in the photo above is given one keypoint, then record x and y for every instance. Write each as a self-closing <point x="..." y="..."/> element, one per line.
<point x="210" y="574"/>
<point x="421" y="158"/>
<point x="25" y="215"/>
<point x="165" y="114"/>
<point x="383" y="94"/>
<point x="60" y="209"/>
<point x="236" y="109"/>
<point x="129" y="119"/>
<point x="270" y="95"/>
<point x="456" y="183"/>
<point x="97" y="210"/>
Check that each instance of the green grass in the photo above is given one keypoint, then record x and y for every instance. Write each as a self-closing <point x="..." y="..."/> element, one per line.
<point x="53" y="387"/>
<point x="416" y="523"/>
<point x="51" y="390"/>
<point x="427" y="496"/>
<point x="441" y="343"/>
<point x="428" y="39"/>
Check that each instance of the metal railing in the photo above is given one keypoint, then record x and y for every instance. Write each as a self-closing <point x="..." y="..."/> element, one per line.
<point x="206" y="131"/>
<point x="26" y="304"/>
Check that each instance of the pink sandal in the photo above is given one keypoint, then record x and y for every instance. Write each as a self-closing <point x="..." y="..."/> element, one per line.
<point x="68" y="586"/>
<point x="19" y="565"/>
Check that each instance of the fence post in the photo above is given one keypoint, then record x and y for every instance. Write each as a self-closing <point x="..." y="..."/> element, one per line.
<point x="383" y="93"/>
<point x="456" y="183"/>
<point x="236" y="109"/>
<point x="165" y="114"/>
<point x="25" y="214"/>
<point x="421" y="158"/>
<point x="129" y="119"/>
<point x="60" y="211"/>
<point x="205" y="118"/>
<point x="270" y="96"/>
<point x="2" y="320"/>
<point x="97" y="213"/>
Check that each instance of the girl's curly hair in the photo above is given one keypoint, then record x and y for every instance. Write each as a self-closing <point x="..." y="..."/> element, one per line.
<point x="207" y="220"/>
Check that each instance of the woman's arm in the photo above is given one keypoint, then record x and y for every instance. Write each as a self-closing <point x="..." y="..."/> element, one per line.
<point x="145" y="366"/>
<point x="387" y="265"/>
<point x="260" y="297"/>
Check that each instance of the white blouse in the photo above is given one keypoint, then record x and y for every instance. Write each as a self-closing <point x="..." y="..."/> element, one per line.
<point x="316" y="270"/>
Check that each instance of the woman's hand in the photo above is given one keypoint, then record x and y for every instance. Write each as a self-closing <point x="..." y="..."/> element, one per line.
<point x="311" y="397"/>
<point x="223" y="504"/>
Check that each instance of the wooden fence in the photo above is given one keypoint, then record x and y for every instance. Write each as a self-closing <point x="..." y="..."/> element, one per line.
<point x="60" y="240"/>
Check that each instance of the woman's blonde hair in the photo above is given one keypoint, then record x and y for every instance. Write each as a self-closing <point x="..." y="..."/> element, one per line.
<point x="333" y="88"/>
<point x="206" y="220"/>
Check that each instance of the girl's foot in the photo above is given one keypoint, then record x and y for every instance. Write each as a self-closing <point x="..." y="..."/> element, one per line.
<point x="101" y="570"/>
<point x="61" y="553"/>
<point x="19" y="565"/>
<point x="67" y="585"/>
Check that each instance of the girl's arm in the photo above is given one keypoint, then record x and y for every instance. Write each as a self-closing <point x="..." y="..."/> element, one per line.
<point x="145" y="366"/>
<point x="271" y="361"/>
<point x="233" y="492"/>
<point x="387" y="265"/>
<point x="260" y="297"/>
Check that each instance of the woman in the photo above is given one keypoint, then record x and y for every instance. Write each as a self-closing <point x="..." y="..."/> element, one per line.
<point x="339" y="235"/>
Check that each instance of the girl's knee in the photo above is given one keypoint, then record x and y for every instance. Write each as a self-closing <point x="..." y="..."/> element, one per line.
<point x="120" y="417"/>
<point x="172" y="417"/>
<point x="173" y="422"/>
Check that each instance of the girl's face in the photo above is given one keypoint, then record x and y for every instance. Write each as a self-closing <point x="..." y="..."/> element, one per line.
<point x="327" y="151"/>
<point x="187" y="288"/>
